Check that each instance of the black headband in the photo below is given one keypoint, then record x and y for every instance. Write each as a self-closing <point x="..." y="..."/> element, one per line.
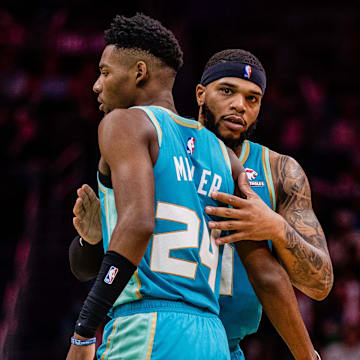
<point x="234" y="69"/>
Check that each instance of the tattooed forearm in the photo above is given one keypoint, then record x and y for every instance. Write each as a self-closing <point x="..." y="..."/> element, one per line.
<point x="304" y="251"/>
<point x="300" y="251"/>
<point x="310" y="268"/>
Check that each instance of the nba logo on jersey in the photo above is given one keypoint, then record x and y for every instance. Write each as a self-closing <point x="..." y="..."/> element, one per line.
<point x="190" y="146"/>
<point x="247" y="71"/>
<point x="110" y="276"/>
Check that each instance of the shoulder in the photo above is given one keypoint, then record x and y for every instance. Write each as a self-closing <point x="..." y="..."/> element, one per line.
<point x="289" y="179"/>
<point x="283" y="166"/>
<point x="123" y="128"/>
<point x="122" y="122"/>
<point x="124" y="132"/>
<point x="279" y="160"/>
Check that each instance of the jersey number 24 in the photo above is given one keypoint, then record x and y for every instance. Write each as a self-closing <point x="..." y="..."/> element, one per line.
<point x="163" y="243"/>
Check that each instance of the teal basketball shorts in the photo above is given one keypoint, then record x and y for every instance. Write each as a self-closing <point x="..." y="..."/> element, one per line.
<point x="162" y="330"/>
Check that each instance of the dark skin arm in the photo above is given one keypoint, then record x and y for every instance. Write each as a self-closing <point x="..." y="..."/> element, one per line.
<point x="128" y="146"/>
<point x="301" y="244"/>
<point x="294" y="229"/>
<point x="85" y="261"/>
<point x="126" y="141"/>
<point x="272" y="285"/>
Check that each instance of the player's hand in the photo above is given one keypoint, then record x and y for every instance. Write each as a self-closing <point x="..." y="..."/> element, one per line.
<point x="87" y="215"/>
<point x="76" y="352"/>
<point x="250" y="218"/>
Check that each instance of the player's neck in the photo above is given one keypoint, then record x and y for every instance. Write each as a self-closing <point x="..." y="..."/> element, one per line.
<point x="163" y="99"/>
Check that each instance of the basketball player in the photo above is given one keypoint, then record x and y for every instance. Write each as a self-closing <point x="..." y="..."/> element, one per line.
<point x="278" y="205"/>
<point x="155" y="290"/>
<point x="153" y="159"/>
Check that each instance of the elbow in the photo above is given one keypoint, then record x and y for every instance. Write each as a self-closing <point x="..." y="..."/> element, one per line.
<point x="82" y="275"/>
<point x="140" y="228"/>
<point x="149" y="228"/>
<point x="317" y="293"/>
<point x="85" y="261"/>
<point x="144" y="229"/>
<point x="144" y="224"/>
<point x="82" y="270"/>
<point x="131" y="238"/>
<point x="323" y="287"/>
<point x="141" y="222"/>
<point x="317" y="286"/>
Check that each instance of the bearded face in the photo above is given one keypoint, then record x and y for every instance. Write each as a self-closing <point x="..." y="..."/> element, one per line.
<point x="229" y="107"/>
<point x="231" y="141"/>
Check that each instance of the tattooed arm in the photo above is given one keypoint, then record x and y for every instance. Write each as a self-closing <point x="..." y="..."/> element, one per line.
<point x="301" y="244"/>
<point x="293" y="229"/>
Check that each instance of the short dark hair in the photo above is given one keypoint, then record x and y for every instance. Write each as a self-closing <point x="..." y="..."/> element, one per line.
<point x="144" y="33"/>
<point x="235" y="55"/>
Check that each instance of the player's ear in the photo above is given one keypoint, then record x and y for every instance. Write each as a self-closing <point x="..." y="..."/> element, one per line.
<point x="200" y="94"/>
<point x="142" y="73"/>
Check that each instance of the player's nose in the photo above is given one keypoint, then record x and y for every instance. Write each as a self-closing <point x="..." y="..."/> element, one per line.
<point x="238" y="103"/>
<point x="97" y="88"/>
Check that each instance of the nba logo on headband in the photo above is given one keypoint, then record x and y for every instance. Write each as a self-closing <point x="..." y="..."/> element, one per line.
<point x="234" y="69"/>
<point x="247" y="71"/>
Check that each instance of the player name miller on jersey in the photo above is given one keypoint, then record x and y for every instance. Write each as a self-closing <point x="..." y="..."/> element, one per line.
<point x="252" y="174"/>
<point x="186" y="173"/>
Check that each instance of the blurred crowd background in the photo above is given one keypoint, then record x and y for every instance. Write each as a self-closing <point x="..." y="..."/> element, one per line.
<point x="49" y="53"/>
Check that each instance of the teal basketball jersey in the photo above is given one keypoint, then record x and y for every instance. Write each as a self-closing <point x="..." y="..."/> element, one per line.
<point x="240" y="310"/>
<point x="182" y="261"/>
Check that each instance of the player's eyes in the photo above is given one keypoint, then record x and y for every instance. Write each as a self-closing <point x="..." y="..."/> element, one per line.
<point x="226" y="91"/>
<point x="252" y="99"/>
<point x="104" y="72"/>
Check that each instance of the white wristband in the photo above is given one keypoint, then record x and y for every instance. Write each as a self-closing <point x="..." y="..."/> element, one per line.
<point x="86" y="342"/>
